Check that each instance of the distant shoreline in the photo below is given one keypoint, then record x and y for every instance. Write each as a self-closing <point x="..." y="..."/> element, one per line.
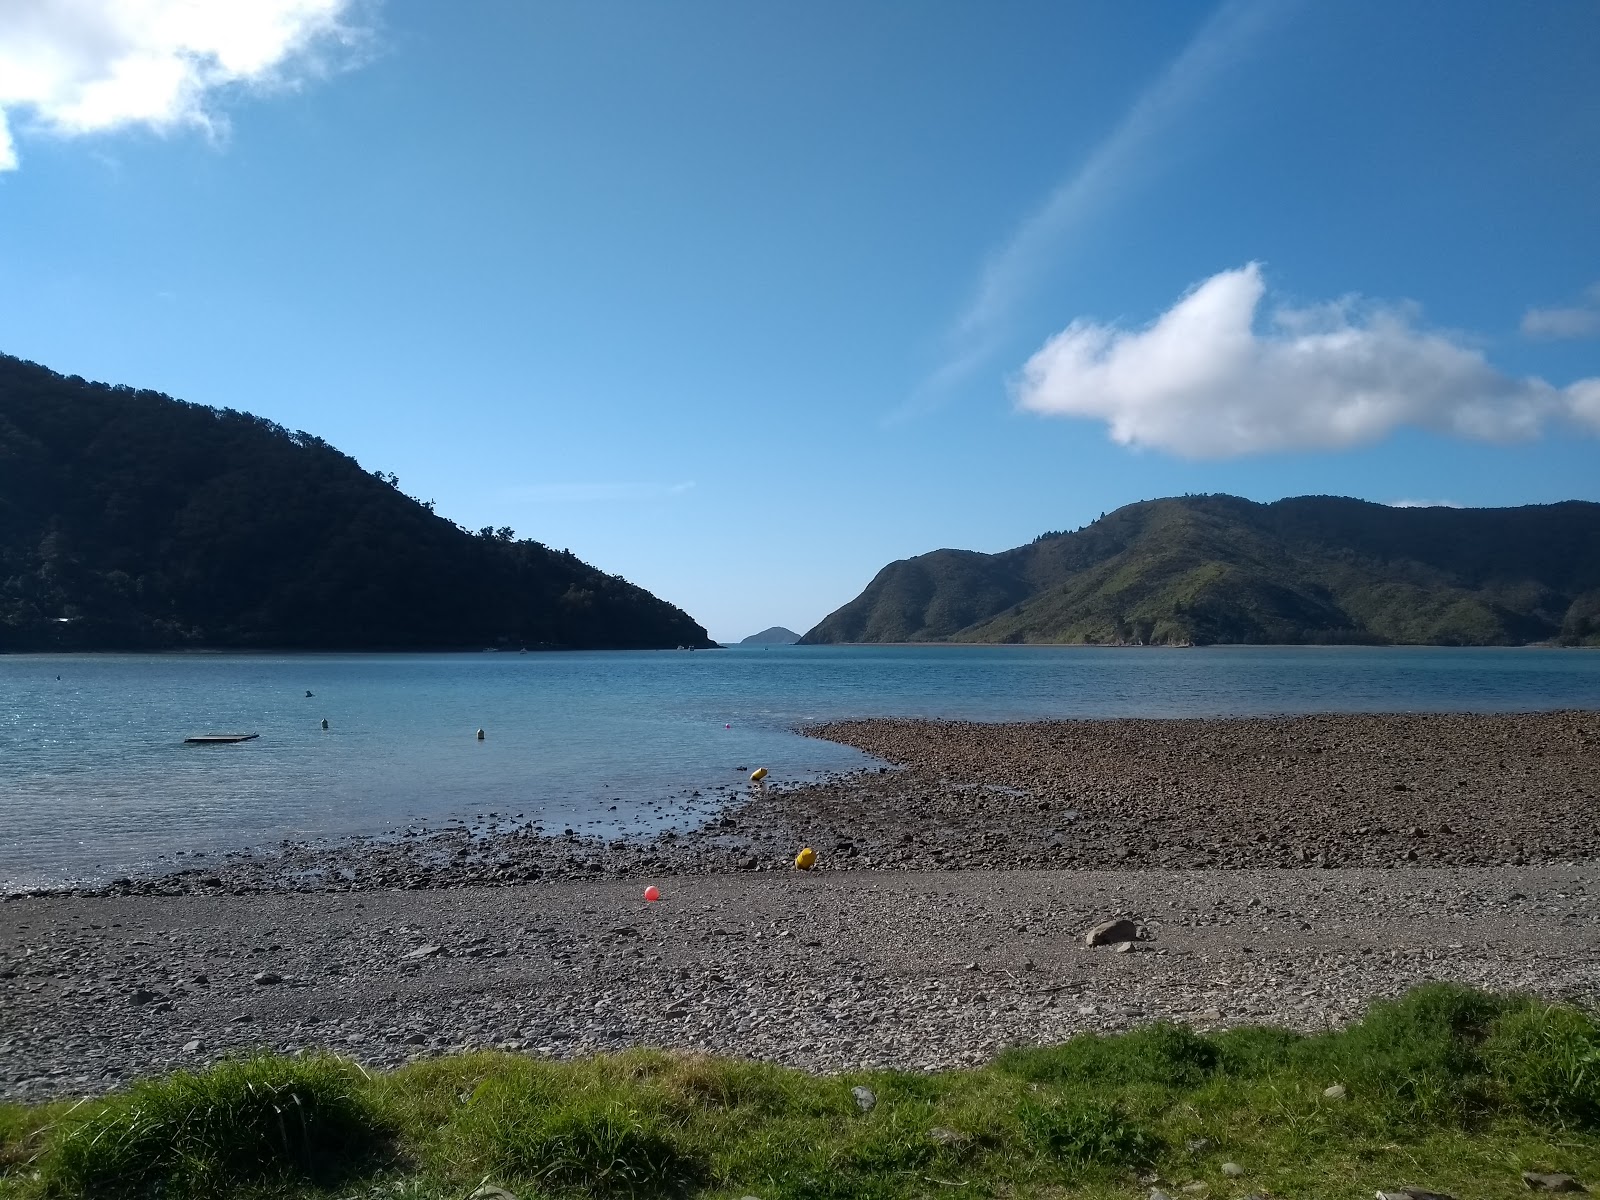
<point x="1546" y="645"/>
<point x="1387" y="790"/>
<point x="204" y="651"/>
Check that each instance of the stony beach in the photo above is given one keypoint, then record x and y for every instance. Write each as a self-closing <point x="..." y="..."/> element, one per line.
<point x="1285" y="870"/>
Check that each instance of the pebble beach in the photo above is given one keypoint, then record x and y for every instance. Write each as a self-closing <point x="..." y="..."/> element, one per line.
<point x="1280" y="870"/>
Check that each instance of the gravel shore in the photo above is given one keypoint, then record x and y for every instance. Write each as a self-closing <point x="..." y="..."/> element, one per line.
<point x="864" y="968"/>
<point x="1285" y="869"/>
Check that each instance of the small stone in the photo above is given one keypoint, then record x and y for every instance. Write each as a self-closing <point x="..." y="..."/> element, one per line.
<point x="144" y="996"/>
<point x="1416" y="1193"/>
<point x="267" y="979"/>
<point x="413" y="1039"/>
<point x="1110" y="932"/>
<point x="1124" y="948"/>
<point x="424" y="952"/>
<point x="1552" y="1183"/>
<point x="241" y="1019"/>
<point x="864" y="1097"/>
<point x="1336" y="1092"/>
<point x="946" y="1137"/>
<point x="1197" y="1145"/>
<point x="1197" y="1188"/>
<point x="1158" y="1194"/>
<point x="491" y="1192"/>
<point x="1232" y="1170"/>
<point x="193" y="1046"/>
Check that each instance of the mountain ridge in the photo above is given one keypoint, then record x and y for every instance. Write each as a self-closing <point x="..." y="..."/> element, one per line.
<point x="133" y="521"/>
<point x="1220" y="569"/>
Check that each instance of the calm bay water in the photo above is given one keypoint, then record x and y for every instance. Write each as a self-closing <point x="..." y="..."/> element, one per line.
<point x="95" y="780"/>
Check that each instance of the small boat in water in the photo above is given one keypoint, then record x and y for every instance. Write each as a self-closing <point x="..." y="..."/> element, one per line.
<point x="218" y="739"/>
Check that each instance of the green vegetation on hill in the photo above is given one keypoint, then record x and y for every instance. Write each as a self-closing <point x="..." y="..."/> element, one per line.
<point x="129" y="520"/>
<point x="777" y="635"/>
<point x="1447" y="1089"/>
<point x="1218" y="569"/>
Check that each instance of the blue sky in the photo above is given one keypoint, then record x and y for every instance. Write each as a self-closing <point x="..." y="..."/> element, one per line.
<point x="745" y="301"/>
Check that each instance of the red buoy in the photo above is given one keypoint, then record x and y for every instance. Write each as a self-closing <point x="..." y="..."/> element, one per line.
<point x="652" y="893"/>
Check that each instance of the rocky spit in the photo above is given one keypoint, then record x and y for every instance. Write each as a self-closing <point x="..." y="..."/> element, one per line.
<point x="1297" y="792"/>
<point x="1285" y="870"/>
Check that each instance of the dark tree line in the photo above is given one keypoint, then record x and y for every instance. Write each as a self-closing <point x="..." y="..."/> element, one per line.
<point x="132" y="520"/>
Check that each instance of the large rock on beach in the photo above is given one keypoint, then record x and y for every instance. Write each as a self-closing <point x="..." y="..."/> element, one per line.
<point x="1109" y="933"/>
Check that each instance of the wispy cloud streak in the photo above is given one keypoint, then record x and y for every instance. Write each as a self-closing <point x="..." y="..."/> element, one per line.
<point x="1012" y="271"/>
<point x="596" y="493"/>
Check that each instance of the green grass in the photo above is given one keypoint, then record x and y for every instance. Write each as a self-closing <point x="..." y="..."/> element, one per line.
<point x="1447" y="1088"/>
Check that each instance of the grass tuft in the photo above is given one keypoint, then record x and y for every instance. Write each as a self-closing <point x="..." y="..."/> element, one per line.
<point x="1163" y="1054"/>
<point x="1087" y="1134"/>
<point x="588" y="1128"/>
<point x="1547" y="1061"/>
<point x="250" y="1121"/>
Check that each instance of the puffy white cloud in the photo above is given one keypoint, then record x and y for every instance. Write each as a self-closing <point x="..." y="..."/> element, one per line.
<point x="1580" y="321"/>
<point x="84" y="66"/>
<point x="1203" y="382"/>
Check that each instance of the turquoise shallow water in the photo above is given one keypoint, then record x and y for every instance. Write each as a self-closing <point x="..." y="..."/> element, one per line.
<point x="95" y="780"/>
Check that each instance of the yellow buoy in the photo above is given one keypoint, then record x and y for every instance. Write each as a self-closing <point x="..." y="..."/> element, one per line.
<point x="806" y="859"/>
<point x="758" y="775"/>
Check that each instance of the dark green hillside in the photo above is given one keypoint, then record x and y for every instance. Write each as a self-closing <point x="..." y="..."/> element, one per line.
<point x="132" y="520"/>
<point x="1209" y="569"/>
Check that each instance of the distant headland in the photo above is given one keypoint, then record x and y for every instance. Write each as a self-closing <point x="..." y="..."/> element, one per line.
<point x="1199" y="570"/>
<point x="775" y="636"/>
<point x="133" y="521"/>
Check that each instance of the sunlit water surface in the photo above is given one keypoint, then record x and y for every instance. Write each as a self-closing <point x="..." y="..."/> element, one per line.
<point x="95" y="779"/>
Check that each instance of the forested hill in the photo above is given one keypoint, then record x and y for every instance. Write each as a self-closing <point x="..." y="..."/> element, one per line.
<point x="1210" y="569"/>
<point x="132" y="520"/>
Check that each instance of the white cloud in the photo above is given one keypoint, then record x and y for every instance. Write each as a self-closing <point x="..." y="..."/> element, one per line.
<point x="1580" y="321"/>
<point x="589" y="493"/>
<point x="1125" y="152"/>
<point x="71" y="67"/>
<point x="1202" y="382"/>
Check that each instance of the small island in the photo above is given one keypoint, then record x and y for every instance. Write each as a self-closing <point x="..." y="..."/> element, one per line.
<point x="777" y="635"/>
